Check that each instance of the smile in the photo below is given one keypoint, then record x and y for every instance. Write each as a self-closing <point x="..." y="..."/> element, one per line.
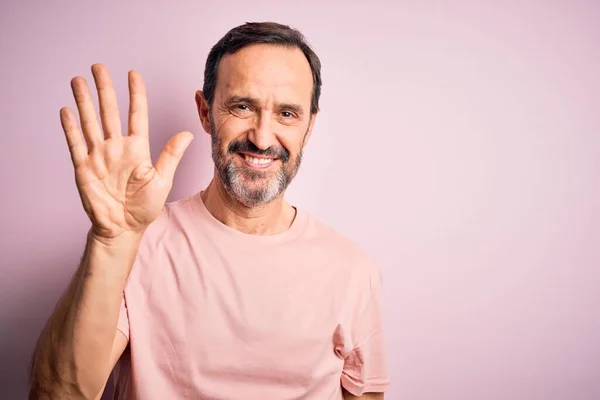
<point x="257" y="162"/>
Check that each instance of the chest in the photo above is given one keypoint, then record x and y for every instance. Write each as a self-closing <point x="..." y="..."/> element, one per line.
<point x="273" y="318"/>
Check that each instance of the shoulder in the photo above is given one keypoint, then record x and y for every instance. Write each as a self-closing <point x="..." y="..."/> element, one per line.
<point x="343" y="248"/>
<point x="358" y="278"/>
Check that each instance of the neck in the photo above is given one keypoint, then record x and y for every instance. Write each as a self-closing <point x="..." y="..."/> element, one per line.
<point x="267" y="219"/>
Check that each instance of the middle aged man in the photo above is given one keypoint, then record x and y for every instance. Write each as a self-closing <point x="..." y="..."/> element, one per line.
<point x="231" y="293"/>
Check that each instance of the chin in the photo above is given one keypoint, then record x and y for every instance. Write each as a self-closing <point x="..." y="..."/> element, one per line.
<point x="252" y="188"/>
<point x="251" y="201"/>
<point x="255" y="194"/>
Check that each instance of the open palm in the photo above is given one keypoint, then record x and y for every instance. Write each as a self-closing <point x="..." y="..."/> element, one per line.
<point x="120" y="189"/>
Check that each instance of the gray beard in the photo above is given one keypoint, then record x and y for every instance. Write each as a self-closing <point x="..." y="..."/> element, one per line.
<point x="232" y="177"/>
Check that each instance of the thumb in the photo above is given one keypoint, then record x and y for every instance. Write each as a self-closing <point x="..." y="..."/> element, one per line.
<point x="169" y="158"/>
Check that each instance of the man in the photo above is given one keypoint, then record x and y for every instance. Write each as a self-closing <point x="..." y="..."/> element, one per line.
<point x="231" y="293"/>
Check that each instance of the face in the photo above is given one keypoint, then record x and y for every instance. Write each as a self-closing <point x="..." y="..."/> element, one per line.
<point x="259" y="121"/>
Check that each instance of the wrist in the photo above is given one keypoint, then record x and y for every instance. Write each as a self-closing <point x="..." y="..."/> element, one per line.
<point x="122" y="241"/>
<point x="115" y="255"/>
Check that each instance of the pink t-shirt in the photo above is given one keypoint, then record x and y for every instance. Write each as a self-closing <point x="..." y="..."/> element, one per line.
<point x="213" y="313"/>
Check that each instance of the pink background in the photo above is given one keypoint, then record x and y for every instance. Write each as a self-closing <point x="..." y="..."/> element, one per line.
<point x="459" y="145"/>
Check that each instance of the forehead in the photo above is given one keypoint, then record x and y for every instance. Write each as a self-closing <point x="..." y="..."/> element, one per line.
<point x="266" y="72"/>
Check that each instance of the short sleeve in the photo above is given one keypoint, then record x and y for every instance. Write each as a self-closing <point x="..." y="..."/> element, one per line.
<point x="123" y="322"/>
<point x="365" y="368"/>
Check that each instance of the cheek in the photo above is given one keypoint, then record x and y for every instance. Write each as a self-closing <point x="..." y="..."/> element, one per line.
<point x="227" y="132"/>
<point x="291" y="137"/>
<point x="292" y="144"/>
<point x="229" y="127"/>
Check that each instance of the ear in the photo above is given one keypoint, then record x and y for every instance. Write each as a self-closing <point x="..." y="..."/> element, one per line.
<point x="203" y="111"/>
<point x="311" y="124"/>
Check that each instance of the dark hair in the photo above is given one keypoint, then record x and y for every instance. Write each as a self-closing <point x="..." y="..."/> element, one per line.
<point x="255" y="33"/>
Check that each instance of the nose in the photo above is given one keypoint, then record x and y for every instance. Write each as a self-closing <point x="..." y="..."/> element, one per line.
<point x="262" y="134"/>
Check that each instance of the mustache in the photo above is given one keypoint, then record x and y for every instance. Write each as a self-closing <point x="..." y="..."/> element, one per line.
<point x="247" y="146"/>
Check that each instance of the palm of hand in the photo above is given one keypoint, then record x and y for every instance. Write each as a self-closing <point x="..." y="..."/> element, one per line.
<point x="119" y="187"/>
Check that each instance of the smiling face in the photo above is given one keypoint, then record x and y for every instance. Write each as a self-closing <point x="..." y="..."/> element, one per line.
<point x="259" y="121"/>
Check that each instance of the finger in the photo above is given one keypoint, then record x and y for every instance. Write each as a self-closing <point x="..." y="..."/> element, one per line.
<point x="87" y="114"/>
<point x="107" y="97"/>
<point x="169" y="158"/>
<point x="77" y="146"/>
<point x="138" y="105"/>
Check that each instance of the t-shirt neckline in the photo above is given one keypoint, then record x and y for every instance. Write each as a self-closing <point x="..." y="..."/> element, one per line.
<point x="297" y="226"/>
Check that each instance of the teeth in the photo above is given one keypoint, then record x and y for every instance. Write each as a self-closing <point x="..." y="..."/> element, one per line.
<point x="258" y="161"/>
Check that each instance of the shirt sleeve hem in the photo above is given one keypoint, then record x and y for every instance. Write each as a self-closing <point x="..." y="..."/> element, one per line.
<point x="123" y="331"/>
<point x="370" y="387"/>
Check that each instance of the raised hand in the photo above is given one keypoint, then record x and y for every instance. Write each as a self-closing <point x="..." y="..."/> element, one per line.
<point x="120" y="189"/>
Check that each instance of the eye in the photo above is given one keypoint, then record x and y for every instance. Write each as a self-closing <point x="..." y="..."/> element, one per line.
<point x="287" y="114"/>
<point x="241" y="110"/>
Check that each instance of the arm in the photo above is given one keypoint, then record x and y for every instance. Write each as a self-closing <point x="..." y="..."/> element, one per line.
<point x="122" y="193"/>
<point x="80" y="344"/>
<point x="118" y="348"/>
<point x="366" y="396"/>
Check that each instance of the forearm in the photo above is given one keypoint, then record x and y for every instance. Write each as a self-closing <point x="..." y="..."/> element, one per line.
<point x="73" y="351"/>
<point x="366" y="396"/>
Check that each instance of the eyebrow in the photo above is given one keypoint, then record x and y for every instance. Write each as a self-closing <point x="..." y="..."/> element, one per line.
<point x="255" y="102"/>
<point x="241" y="99"/>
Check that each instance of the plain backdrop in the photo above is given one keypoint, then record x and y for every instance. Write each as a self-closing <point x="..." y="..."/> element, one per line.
<point x="458" y="144"/>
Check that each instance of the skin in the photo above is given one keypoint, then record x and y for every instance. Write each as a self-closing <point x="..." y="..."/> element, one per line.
<point x="366" y="396"/>
<point x="263" y="97"/>
<point x="114" y="174"/>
